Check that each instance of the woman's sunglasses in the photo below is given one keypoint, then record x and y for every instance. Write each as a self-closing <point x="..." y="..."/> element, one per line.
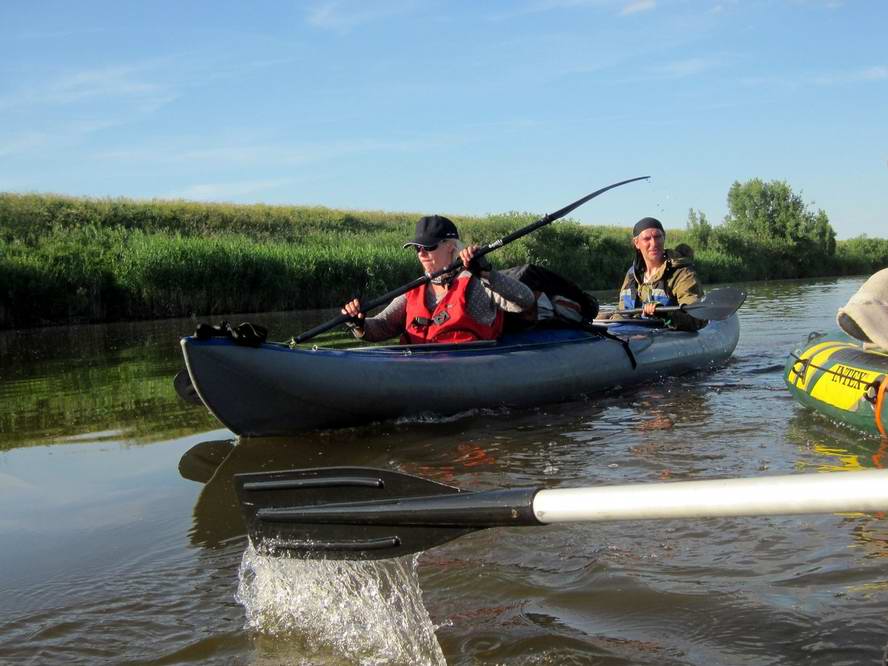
<point x="427" y="248"/>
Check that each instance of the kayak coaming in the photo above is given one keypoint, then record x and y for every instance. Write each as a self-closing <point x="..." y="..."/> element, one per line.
<point x="276" y="390"/>
<point x="832" y="374"/>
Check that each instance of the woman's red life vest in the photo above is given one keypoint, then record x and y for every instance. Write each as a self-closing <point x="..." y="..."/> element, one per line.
<point x="450" y="321"/>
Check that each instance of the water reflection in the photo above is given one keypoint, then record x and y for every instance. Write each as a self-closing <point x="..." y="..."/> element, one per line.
<point x="833" y="446"/>
<point x="66" y="383"/>
<point x="320" y="611"/>
<point x="152" y="556"/>
<point x="216" y="515"/>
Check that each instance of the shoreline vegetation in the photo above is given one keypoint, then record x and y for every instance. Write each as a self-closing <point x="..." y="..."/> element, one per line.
<point x="69" y="259"/>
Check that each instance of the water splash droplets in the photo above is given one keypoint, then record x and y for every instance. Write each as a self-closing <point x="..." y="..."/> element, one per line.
<point x="366" y="612"/>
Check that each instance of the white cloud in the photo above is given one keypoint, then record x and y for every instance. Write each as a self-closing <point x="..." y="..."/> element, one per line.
<point x="639" y="6"/>
<point x="35" y="142"/>
<point x="834" y="78"/>
<point x="875" y="73"/>
<point x="345" y="15"/>
<point x="119" y="81"/>
<point x="682" y="68"/>
<point x="549" y="5"/>
<point x="827" y="4"/>
<point x="227" y="191"/>
<point x="55" y="35"/>
<point x="543" y="6"/>
<point x="23" y="143"/>
<point x="250" y="155"/>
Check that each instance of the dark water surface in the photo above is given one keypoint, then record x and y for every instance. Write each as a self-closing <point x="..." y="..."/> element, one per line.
<point x="121" y="542"/>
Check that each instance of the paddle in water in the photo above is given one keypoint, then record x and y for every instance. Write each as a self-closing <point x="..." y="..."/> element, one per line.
<point x="484" y="249"/>
<point x="366" y="513"/>
<point x="716" y="305"/>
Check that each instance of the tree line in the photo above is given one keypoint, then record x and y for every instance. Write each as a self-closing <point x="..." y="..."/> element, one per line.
<point x="70" y="259"/>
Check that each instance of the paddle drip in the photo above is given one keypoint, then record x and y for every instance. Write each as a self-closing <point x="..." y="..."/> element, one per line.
<point x="367" y="612"/>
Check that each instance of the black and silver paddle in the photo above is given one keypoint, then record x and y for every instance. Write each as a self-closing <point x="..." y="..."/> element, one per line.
<point x="715" y="305"/>
<point x="366" y="513"/>
<point x="484" y="249"/>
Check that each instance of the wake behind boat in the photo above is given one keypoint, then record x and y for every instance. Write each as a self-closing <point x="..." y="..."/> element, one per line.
<point x="274" y="389"/>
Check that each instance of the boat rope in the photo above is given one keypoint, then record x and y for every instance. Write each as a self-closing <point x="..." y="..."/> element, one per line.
<point x="874" y="393"/>
<point x="805" y="364"/>
<point x="880" y="403"/>
<point x="610" y="336"/>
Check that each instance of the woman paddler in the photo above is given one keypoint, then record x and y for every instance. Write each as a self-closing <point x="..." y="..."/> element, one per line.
<point x="660" y="277"/>
<point x="461" y="306"/>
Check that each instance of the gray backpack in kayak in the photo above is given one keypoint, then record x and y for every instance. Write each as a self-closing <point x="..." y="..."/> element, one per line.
<point x="559" y="302"/>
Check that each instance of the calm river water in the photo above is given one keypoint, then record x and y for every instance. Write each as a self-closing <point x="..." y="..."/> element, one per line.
<point x="121" y="541"/>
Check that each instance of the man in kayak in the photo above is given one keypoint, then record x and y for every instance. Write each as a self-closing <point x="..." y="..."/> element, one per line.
<point x="865" y="315"/>
<point x="660" y="277"/>
<point x="457" y="307"/>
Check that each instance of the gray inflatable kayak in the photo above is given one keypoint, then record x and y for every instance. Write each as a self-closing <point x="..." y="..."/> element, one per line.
<point x="275" y="390"/>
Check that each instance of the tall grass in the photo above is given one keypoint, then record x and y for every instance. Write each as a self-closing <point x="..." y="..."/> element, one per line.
<point x="66" y="259"/>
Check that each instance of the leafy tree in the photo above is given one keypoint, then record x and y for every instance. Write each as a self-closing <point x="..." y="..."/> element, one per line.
<point x="778" y="218"/>
<point x="699" y="229"/>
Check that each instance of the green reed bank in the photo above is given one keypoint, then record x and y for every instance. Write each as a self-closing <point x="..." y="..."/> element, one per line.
<point x="67" y="259"/>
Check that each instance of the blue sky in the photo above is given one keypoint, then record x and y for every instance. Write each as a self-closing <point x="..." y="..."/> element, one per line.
<point x="451" y="107"/>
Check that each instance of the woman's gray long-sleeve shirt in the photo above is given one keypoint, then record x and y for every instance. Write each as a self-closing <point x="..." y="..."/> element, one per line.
<point x="484" y="297"/>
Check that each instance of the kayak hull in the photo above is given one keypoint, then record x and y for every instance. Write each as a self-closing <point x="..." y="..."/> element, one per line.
<point x="276" y="390"/>
<point x="836" y="377"/>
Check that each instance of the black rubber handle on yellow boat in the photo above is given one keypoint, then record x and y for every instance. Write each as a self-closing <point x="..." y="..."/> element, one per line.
<point x="716" y="305"/>
<point x="485" y="249"/>
<point x="365" y="513"/>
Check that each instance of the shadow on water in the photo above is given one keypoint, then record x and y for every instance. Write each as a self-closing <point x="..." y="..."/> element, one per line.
<point x="214" y="463"/>
<point x="315" y="610"/>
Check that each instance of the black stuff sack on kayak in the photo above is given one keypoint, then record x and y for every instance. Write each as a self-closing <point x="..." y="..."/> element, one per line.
<point x="246" y="334"/>
<point x="558" y="300"/>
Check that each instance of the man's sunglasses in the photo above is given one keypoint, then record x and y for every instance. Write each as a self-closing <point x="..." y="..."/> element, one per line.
<point x="427" y="248"/>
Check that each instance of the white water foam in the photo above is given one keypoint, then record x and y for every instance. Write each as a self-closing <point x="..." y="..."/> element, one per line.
<point x="361" y="612"/>
<point x="431" y="417"/>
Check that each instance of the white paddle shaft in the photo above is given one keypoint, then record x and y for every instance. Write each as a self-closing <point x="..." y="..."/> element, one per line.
<point x="791" y="494"/>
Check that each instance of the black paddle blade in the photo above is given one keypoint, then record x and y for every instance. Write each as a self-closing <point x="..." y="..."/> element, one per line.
<point x="717" y="304"/>
<point x="185" y="389"/>
<point x="359" y="513"/>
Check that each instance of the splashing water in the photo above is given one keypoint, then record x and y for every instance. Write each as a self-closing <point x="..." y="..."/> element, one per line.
<point x="366" y="612"/>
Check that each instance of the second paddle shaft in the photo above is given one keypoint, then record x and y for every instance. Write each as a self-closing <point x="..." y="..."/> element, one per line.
<point x="771" y="495"/>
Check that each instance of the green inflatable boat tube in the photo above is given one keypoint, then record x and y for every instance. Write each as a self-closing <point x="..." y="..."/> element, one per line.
<point x="835" y="376"/>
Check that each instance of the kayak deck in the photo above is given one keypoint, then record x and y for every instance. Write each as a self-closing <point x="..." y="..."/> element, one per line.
<point x="278" y="390"/>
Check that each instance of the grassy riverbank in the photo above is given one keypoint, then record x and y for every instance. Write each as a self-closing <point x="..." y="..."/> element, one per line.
<point x="66" y="259"/>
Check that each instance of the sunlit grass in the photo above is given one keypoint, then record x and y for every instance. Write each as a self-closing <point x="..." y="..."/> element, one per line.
<point x="66" y="259"/>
